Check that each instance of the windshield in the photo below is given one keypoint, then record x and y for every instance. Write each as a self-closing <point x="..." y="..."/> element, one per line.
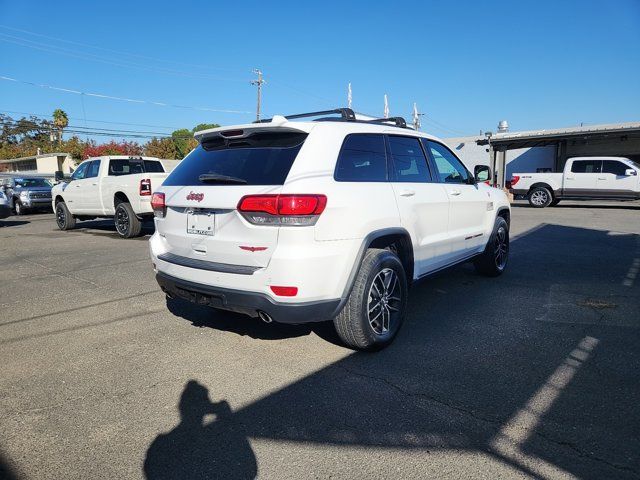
<point x="33" y="182"/>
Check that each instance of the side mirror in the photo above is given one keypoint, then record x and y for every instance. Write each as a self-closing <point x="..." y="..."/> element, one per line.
<point x="630" y="172"/>
<point x="482" y="173"/>
<point x="58" y="176"/>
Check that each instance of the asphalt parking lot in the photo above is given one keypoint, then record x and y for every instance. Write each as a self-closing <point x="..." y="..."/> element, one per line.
<point x="533" y="374"/>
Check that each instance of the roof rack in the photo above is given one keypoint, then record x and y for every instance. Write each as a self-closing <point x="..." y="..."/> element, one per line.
<point x="399" y="121"/>
<point x="345" y="113"/>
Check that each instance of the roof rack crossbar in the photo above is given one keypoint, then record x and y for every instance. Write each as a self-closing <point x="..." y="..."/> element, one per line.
<point x="345" y="113"/>
<point x="399" y="121"/>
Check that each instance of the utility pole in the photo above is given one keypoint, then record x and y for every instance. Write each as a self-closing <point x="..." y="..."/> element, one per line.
<point x="349" y="96"/>
<point x="386" y="106"/>
<point x="259" y="82"/>
<point x="416" y="117"/>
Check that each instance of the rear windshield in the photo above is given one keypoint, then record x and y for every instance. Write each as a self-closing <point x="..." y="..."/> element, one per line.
<point x="126" y="166"/>
<point x="263" y="158"/>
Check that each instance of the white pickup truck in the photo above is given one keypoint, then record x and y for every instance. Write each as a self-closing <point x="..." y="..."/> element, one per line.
<point x="118" y="187"/>
<point x="584" y="178"/>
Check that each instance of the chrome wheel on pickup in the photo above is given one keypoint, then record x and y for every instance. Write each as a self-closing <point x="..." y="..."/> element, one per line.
<point x="540" y="197"/>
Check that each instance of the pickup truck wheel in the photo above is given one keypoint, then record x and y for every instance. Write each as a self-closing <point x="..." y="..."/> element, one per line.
<point x="64" y="219"/>
<point x="377" y="304"/>
<point x="540" y="197"/>
<point x="493" y="261"/>
<point x="127" y="223"/>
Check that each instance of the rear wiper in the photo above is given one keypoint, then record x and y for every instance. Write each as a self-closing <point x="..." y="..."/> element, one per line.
<point x="217" y="178"/>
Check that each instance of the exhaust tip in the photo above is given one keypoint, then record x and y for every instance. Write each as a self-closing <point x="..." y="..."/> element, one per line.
<point x="264" y="317"/>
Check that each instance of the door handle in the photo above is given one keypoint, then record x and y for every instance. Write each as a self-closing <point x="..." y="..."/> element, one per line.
<point x="407" y="193"/>
<point x="94" y="184"/>
<point x="601" y="178"/>
<point x="77" y="185"/>
<point x="454" y="193"/>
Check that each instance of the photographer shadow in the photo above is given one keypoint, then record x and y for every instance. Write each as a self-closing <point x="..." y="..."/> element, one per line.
<point x="197" y="448"/>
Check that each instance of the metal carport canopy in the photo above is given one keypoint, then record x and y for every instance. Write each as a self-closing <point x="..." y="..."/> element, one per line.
<point x="503" y="141"/>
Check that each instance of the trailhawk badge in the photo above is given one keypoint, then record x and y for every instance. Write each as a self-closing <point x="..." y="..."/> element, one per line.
<point x="195" y="196"/>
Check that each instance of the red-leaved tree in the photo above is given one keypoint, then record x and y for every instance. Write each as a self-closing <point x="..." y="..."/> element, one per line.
<point x="112" y="148"/>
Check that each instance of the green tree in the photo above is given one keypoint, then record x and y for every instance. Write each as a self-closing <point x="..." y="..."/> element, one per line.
<point x="60" y="121"/>
<point x="204" y="126"/>
<point x="181" y="139"/>
<point x="161" y="148"/>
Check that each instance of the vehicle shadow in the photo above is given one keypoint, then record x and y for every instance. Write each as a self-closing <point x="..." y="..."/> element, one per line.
<point x="12" y="223"/>
<point x="106" y="228"/>
<point x="243" y="325"/>
<point x="534" y="373"/>
<point x="621" y="206"/>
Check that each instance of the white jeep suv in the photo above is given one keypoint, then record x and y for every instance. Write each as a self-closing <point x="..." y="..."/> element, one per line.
<point x="331" y="219"/>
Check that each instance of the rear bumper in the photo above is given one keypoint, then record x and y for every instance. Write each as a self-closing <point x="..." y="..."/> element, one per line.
<point x="248" y="303"/>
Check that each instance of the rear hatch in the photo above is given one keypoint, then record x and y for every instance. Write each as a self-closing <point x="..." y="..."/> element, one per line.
<point x="202" y="194"/>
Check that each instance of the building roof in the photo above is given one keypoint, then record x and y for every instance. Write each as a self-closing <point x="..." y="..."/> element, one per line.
<point x="35" y="157"/>
<point x="534" y="138"/>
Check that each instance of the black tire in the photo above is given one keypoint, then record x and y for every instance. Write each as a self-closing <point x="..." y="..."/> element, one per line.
<point x="19" y="208"/>
<point x="353" y="323"/>
<point x="554" y="203"/>
<point x="493" y="261"/>
<point x="540" y="197"/>
<point x="64" y="219"/>
<point x="127" y="223"/>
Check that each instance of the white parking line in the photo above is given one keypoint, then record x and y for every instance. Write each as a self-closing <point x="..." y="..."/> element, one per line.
<point x="522" y="425"/>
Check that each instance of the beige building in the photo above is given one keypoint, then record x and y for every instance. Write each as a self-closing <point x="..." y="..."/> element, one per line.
<point x="45" y="163"/>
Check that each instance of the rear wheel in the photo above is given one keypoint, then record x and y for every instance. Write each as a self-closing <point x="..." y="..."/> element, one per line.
<point x="540" y="197"/>
<point x="127" y="223"/>
<point x="64" y="219"/>
<point x="493" y="261"/>
<point x="377" y="304"/>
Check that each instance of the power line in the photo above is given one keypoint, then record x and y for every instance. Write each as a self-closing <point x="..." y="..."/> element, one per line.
<point x="97" y="58"/>
<point x="44" y="115"/>
<point x="123" y="99"/>
<point x="115" y="51"/>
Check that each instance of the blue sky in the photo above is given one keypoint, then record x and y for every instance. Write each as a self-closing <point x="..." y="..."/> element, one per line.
<point x="467" y="64"/>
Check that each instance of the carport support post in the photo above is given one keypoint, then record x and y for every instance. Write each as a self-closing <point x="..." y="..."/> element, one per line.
<point x="492" y="162"/>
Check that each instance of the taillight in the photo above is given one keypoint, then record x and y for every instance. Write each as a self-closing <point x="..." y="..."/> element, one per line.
<point x="145" y="187"/>
<point x="514" y="179"/>
<point x="285" y="209"/>
<point x="158" y="205"/>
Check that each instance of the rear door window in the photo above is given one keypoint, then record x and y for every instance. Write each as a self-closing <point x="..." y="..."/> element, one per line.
<point x="362" y="158"/>
<point x="263" y="158"/>
<point x="409" y="162"/>
<point x="586" y="166"/>
<point x="612" y="166"/>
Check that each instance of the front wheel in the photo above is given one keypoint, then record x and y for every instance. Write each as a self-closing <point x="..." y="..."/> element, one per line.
<point x="493" y="261"/>
<point x="19" y="208"/>
<point x="127" y="223"/>
<point x="64" y="219"/>
<point x="377" y="304"/>
<point x="540" y="197"/>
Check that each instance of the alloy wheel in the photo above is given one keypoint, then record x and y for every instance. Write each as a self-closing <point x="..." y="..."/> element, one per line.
<point x="60" y="216"/>
<point x="384" y="301"/>
<point x="539" y="197"/>
<point x="501" y="250"/>
<point x="122" y="221"/>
